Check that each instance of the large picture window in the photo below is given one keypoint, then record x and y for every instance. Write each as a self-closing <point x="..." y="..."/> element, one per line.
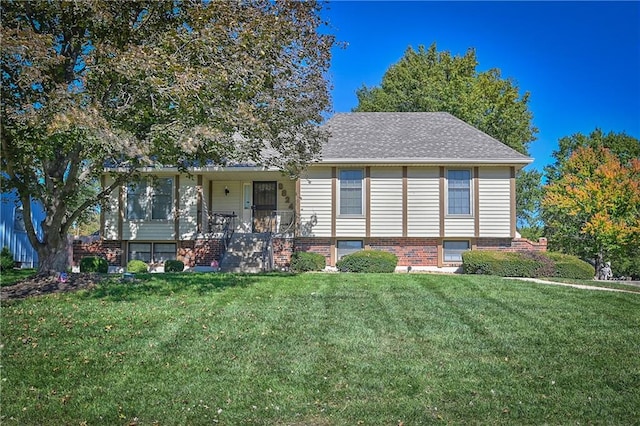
<point x="459" y="192"/>
<point x="150" y="199"/>
<point x="351" y="192"/>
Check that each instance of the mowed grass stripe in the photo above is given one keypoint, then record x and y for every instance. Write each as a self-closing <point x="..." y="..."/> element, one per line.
<point x="322" y="349"/>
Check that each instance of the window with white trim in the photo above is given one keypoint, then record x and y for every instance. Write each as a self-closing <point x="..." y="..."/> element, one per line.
<point x="345" y="247"/>
<point x="459" y="192"/>
<point x="150" y="199"/>
<point x="452" y="250"/>
<point x="351" y="194"/>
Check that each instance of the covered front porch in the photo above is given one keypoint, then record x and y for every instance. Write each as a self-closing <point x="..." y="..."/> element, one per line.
<point x="246" y="201"/>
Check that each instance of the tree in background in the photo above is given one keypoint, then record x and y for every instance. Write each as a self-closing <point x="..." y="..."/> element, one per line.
<point x="592" y="207"/>
<point x="127" y="84"/>
<point x="529" y="194"/>
<point x="428" y="80"/>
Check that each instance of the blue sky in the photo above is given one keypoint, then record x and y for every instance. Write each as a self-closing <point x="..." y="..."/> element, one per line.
<point x="579" y="60"/>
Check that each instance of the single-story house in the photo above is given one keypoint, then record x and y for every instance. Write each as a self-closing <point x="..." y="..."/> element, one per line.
<point x="425" y="186"/>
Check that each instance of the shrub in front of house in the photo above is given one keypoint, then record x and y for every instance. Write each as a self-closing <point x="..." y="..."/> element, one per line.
<point x="94" y="264"/>
<point x="137" y="266"/>
<point x="503" y="264"/>
<point x="6" y="259"/>
<point x="302" y="261"/>
<point x="525" y="264"/>
<point x="568" y="266"/>
<point x="173" y="266"/>
<point x="368" y="261"/>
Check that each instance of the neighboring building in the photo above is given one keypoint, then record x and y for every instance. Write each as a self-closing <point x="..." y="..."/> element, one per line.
<point x="425" y="186"/>
<point x="12" y="229"/>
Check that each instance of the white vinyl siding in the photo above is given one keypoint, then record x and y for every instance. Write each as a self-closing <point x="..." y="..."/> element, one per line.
<point x="111" y="213"/>
<point x="423" y="202"/>
<point x="188" y="208"/>
<point x="386" y="202"/>
<point x="315" y="202"/>
<point x="494" y="192"/>
<point x="150" y="230"/>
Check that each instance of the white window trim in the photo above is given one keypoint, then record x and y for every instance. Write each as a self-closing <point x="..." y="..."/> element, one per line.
<point x="363" y="194"/>
<point x="471" y="193"/>
<point x="148" y="197"/>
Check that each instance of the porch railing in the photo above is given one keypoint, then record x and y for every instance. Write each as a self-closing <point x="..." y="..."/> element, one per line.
<point x="222" y="224"/>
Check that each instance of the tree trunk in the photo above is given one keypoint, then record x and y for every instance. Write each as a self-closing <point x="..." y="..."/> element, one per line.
<point x="53" y="257"/>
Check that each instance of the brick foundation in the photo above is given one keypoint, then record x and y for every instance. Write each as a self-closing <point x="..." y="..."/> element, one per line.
<point x="110" y="250"/>
<point x="410" y="251"/>
<point x="282" y="251"/>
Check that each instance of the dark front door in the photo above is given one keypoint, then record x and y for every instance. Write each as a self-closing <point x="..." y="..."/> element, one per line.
<point x="265" y="196"/>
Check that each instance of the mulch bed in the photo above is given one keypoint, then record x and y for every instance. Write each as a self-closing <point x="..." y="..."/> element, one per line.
<point x="41" y="285"/>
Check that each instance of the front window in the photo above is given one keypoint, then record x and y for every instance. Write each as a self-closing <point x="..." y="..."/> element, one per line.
<point x="459" y="192"/>
<point x="346" y="247"/>
<point x="452" y="250"/>
<point x="351" y="192"/>
<point x="18" y="220"/>
<point x="150" y="199"/>
<point x="152" y="252"/>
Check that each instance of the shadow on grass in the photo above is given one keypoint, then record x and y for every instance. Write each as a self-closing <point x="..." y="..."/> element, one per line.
<point x="176" y="284"/>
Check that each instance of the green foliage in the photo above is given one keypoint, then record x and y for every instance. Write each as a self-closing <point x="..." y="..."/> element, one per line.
<point x="529" y="193"/>
<point x="525" y="264"/>
<point x="136" y="266"/>
<point x="428" y="80"/>
<point x="591" y="206"/>
<point x="568" y="266"/>
<point x="94" y="264"/>
<point x="6" y="259"/>
<point x="173" y="266"/>
<point x="137" y="83"/>
<point x="302" y="261"/>
<point x="368" y="261"/>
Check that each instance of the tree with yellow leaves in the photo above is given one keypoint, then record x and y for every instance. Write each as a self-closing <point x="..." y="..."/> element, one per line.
<point x="593" y="208"/>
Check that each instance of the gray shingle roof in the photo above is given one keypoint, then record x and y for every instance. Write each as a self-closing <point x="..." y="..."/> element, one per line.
<point x="412" y="137"/>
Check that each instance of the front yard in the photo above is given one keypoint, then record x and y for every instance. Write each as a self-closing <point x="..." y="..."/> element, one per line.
<point x="322" y="349"/>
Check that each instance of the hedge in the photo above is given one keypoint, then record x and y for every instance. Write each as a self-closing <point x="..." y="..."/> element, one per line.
<point x="137" y="266"/>
<point x="302" y="261"/>
<point x="94" y="264"/>
<point x="173" y="266"/>
<point x="568" y="266"/>
<point x="525" y="264"/>
<point x="368" y="261"/>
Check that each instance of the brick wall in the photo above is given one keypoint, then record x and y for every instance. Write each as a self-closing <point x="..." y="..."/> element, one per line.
<point x="314" y="245"/>
<point x="200" y="252"/>
<point x="110" y="250"/>
<point x="282" y="251"/>
<point x="410" y="251"/>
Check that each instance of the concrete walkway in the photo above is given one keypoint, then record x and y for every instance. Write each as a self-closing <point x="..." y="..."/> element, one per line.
<point x="580" y="286"/>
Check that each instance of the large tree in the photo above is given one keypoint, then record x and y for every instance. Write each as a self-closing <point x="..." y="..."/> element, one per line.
<point x="95" y="83"/>
<point x="591" y="206"/>
<point x="429" y="80"/>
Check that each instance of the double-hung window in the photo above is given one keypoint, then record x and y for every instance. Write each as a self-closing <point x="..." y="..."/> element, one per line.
<point x="459" y="192"/>
<point x="152" y="252"/>
<point x="150" y="199"/>
<point x="452" y="250"/>
<point x="351" y="192"/>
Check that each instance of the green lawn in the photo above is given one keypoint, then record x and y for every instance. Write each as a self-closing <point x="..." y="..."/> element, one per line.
<point x="322" y="349"/>
<point x="11" y="277"/>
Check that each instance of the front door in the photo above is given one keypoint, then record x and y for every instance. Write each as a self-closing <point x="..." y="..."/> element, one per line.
<point x="265" y="201"/>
